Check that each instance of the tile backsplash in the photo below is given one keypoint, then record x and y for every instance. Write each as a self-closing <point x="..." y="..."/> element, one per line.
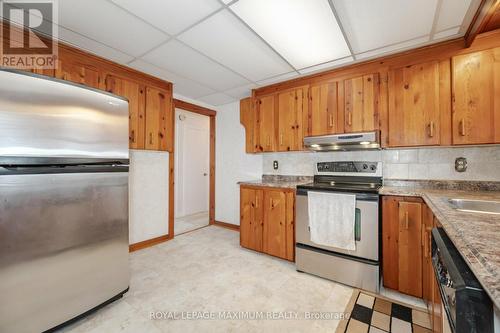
<point x="418" y="163"/>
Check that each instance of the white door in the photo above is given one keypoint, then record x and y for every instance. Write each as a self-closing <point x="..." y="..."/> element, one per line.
<point x="193" y="163"/>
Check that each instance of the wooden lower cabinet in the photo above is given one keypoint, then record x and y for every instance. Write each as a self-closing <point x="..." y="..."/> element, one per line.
<point x="427" y="270"/>
<point x="251" y="218"/>
<point x="267" y="221"/>
<point x="402" y="244"/>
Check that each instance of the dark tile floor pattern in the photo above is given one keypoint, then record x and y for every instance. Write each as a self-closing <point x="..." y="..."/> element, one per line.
<point x="372" y="314"/>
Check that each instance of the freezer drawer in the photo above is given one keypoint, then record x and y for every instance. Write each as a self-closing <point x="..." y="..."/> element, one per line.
<point x="63" y="246"/>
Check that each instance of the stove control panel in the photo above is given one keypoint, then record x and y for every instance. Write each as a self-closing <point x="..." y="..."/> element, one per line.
<point x="347" y="167"/>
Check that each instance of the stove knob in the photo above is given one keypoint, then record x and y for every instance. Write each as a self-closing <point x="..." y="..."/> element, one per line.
<point x="373" y="167"/>
<point x="365" y="166"/>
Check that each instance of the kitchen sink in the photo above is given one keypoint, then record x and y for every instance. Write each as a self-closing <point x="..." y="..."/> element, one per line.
<point x="475" y="206"/>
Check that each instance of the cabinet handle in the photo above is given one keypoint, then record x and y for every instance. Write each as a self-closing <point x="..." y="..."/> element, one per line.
<point x="132" y="136"/>
<point x="281" y="138"/>
<point x="406" y="220"/>
<point x="349" y="118"/>
<point x="256" y="202"/>
<point x="269" y="141"/>
<point x="150" y="138"/>
<point x="462" y="127"/>
<point x="331" y="120"/>
<point x="426" y="246"/>
<point x="431" y="129"/>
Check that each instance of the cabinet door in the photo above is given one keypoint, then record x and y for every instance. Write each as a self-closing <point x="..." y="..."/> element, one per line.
<point x="275" y="223"/>
<point x="476" y="97"/>
<point x="409" y="248"/>
<point x="290" y="115"/>
<point x="72" y="70"/>
<point x="427" y="270"/>
<point x="251" y="222"/>
<point x="290" y="226"/>
<point x="266" y="124"/>
<point x="158" y="119"/>
<point x="134" y="92"/>
<point x="414" y="105"/>
<point x="248" y="119"/>
<point x="361" y="103"/>
<point x="323" y="109"/>
<point x="390" y="235"/>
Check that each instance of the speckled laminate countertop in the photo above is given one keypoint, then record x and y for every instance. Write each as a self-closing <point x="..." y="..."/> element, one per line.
<point x="288" y="182"/>
<point x="475" y="235"/>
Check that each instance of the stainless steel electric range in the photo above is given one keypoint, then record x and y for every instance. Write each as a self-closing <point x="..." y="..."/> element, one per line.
<point x="361" y="267"/>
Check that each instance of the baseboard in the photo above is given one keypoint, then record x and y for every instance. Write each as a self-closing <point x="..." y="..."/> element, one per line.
<point x="148" y="243"/>
<point x="229" y="226"/>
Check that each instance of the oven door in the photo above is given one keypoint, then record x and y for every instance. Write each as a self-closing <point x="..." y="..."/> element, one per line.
<point x="366" y="225"/>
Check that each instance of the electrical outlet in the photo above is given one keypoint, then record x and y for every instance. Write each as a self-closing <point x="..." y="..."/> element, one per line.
<point x="275" y="165"/>
<point x="460" y="164"/>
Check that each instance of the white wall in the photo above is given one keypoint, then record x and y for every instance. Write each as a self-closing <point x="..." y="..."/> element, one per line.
<point x="232" y="163"/>
<point x="148" y="195"/>
<point x="419" y="163"/>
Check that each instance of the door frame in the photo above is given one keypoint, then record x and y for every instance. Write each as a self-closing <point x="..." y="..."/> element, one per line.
<point x="187" y="106"/>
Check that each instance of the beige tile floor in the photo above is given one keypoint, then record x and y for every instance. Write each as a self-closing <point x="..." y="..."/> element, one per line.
<point x="190" y="222"/>
<point x="206" y="270"/>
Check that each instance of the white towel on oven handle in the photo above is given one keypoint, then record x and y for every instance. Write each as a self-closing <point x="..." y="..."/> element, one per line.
<point x="332" y="218"/>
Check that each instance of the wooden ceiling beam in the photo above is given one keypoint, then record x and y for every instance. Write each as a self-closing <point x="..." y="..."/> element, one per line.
<point x="487" y="10"/>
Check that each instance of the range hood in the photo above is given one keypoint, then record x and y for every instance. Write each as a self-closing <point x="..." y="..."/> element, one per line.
<point x="345" y="142"/>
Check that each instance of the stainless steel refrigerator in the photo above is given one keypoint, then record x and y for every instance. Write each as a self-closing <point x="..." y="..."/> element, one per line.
<point x="63" y="201"/>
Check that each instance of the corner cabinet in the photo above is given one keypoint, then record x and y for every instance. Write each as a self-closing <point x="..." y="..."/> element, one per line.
<point x="476" y="97"/>
<point x="267" y="221"/>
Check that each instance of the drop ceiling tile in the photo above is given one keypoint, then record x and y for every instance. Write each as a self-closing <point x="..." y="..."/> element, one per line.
<point x="447" y="33"/>
<point x="373" y="24"/>
<point x="171" y="16"/>
<point x="182" y="85"/>
<point x="241" y="92"/>
<point x="225" y="38"/>
<point x="326" y="66"/>
<point x="182" y="60"/>
<point x="217" y="99"/>
<point x="394" y="48"/>
<point x="276" y="79"/>
<point x="305" y="32"/>
<point x="452" y="13"/>
<point x="106" y="23"/>
<point x="89" y="45"/>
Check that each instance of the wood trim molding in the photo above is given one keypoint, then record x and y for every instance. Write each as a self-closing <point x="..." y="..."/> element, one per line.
<point x="194" y="108"/>
<point x="212" y="172"/>
<point x="483" y="16"/>
<point x="147" y="243"/>
<point x="229" y="226"/>
<point x="439" y="51"/>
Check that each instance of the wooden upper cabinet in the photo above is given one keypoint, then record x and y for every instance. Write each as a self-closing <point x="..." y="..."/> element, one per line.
<point x="291" y="105"/>
<point x="248" y="119"/>
<point x="414" y="105"/>
<point x="251" y="222"/>
<point x="73" y="70"/>
<point x="134" y="92"/>
<point x="476" y="97"/>
<point x="159" y="120"/>
<point x="265" y="126"/>
<point x="361" y="95"/>
<point x="323" y="110"/>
